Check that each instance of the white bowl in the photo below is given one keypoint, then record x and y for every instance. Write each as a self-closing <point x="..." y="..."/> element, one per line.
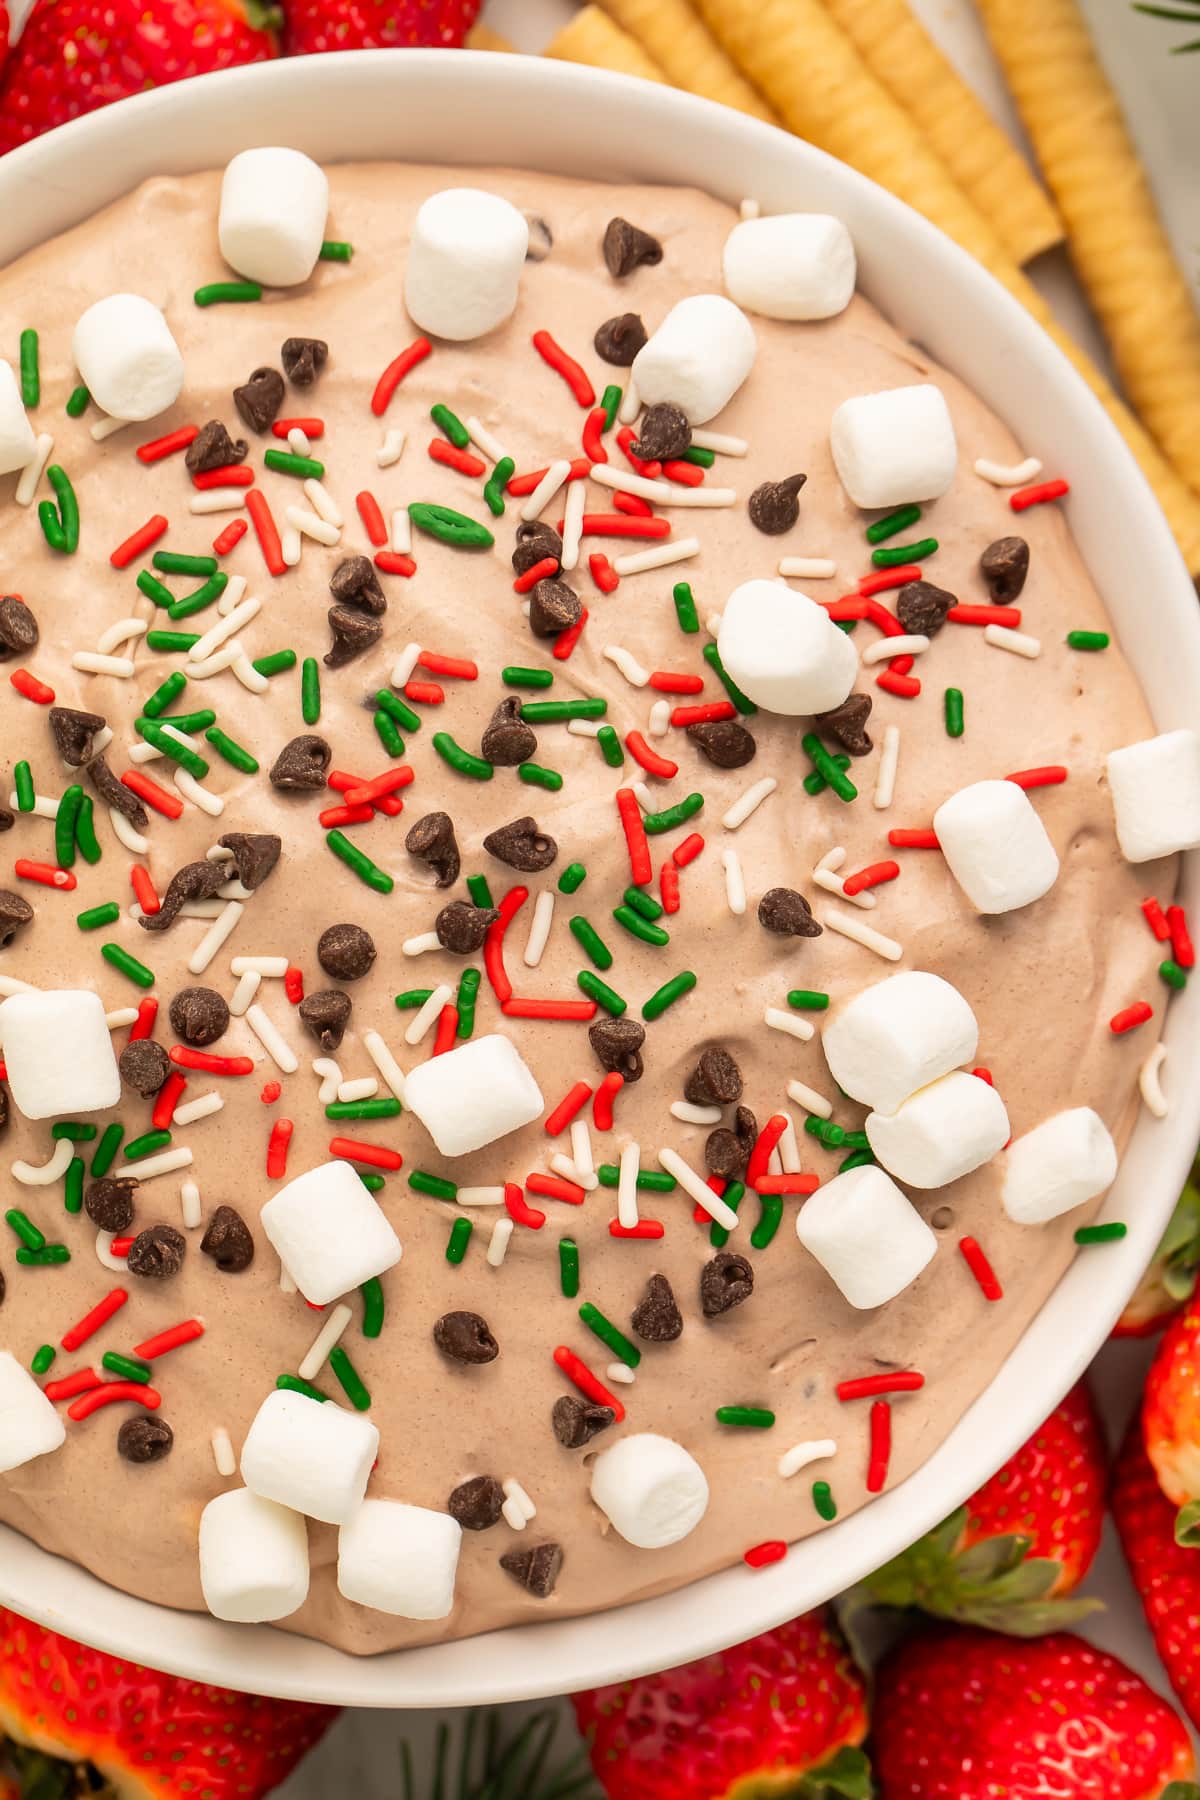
<point x="454" y="107"/>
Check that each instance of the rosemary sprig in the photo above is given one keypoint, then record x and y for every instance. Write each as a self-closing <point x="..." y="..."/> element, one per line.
<point x="1187" y="12"/>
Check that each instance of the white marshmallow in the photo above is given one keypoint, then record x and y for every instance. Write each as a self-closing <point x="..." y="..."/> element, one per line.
<point x="59" y="1053"/>
<point x="330" y="1233"/>
<point x="253" y="1558"/>
<point x="866" y="1235"/>
<point x="898" y="1036"/>
<point x="311" y="1455"/>
<point x="29" y="1425"/>
<point x="652" y="1489"/>
<point x="783" y="650"/>
<point x="127" y="358"/>
<point x="894" y="446"/>
<point x="1062" y="1162"/>
<point x="274" y="204"/>
<point x="473" y="1095"/>
<point x="1155" y="788"/>
<point x="791" y="266"/>
<point x="995" y="846"/>
<point x="941" y="1132"/>
<point x="698" y="358"/>
<point x="465" y="259"/>
<point x="18" y="445"/>
<point x="399" y="1559"/>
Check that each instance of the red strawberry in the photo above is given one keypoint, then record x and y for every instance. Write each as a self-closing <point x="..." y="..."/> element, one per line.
<point x="1170" y="1281"/>
<point x="1024" y="1540"/>
<point x="1165" y="1573"/>
<point x="316" y="25"/>
<point x="151" y="1736"/>
<point x="964" y="1715"/>
<point x="5" y="27"/>
<point x="1171" y="1409"/>
<point x="782" y="1713"/>
<point x="76" y="55"/>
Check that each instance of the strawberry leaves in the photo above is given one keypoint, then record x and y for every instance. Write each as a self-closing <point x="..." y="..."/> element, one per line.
<point x="846" y="1776"/>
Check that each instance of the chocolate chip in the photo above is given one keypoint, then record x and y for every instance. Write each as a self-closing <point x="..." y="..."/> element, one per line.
<point x="724" y="742"/>
<point x="725" y="1281"/>
<point x="144" y="1066"/>
<point x="477" y="1504"/>
<point x="576" y="1421"/>
<point x="461" y="927"/>
<point x="199" y="1015"/>
<point x="355" y="583"/>
<point x="114" y="793"/>
<point x="228" y="1240"/>
<point x="74" y="733"/>
<point x="464" y="1337"/>
<point x="157" y="1253"/>
<point x="716" y="1079"/>
<point x="535" y="1569"/>
<point x="144" y="1440"/>
<point x="353" y="633"/>
<point x="619" y="339"/>
<point x="432" y="840"/>
<point x="921" y="607"/>
<point x="508" y="740"/>
<point x="522" y="846"/>
<point x="663" y="433"/>
<point x="774" y="506"/>
<point x="213" y="448"/>
<point x="302" y="764"/>
<point x="195" y="881"/>
<point x="327" y="1014"/>
<point x="258" y="400"/>
<point x="745" y="1129"/>
<point x="847" y="724"/>
<point x="303" y="359"/>
<point x="108" y="1202"/>
<point x="346" y="952"/>
<point x="627" y="246"/>
<point x="15" y="914"/>
<point x="618" y="1046"/>
<point x="254" y="855"/>
<point x="7" y="819"/>
<point x="656" y="1318"/>
<point x="18" y="628"/>
<point x="725" y="1154"/>
<point x="787" y="913"/>
<point x="553" y="607"/>
<point x="535" y="542"/>
<point x="541" y="238"/>
<point x="1004" y="566"/>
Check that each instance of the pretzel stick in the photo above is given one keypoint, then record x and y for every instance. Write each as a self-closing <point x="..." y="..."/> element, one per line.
<point x="686" y="51"/>
<point x="594" y="39"/>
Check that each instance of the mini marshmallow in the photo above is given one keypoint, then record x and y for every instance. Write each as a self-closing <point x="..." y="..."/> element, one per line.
<point x="464" y="265"/>
<point x="783" y="650"/>
<point x="127" y="358"/>
<point x="399" y="1559"/>
<point x="59" y="1053"/>
<point x="898" y="1036"/>
<point x="311" y="1455"/>
<point x="1155" y="788"/>
<point x="253" y="1558"/>
<point x="866" y="1235"/>
<point x="1061" y="1163"/>
<point x="996" y="846"/>
<point x="698" y="358"/>
<point x="29" y="1425"/>
<point x="274" y="204"/>
<point x="652" y="1489"/>
<point x="473" y="1095"/>
<point x="18" y="445"/>
<point x="791" y="266"/>
<point x="894" y="446"/>
<point x="941" y="1132"/>
<point x="330" y="1233"/>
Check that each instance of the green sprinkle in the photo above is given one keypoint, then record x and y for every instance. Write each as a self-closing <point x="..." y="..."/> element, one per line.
<point x="412" y="998"/>
<point x="768" y="1220"/>
<point x="296" y="1385"/>
<point x="43" y="1259"/>
<point x="712" y="657"/>
<point x="685" y="608"/>
<point x="386" y="1107"/>
<point x="175" y="562"/>
<point x="165" y="695"/>
<point x="183" y="754"/>
<point x="214" y="293"/>
<point x="1088" y="640"/>
<point x="896" y="554"/>
<point x="815" y="783"/>
<point x="450" y="527"/>
<point x="823" y="1500"/>
<point x="496" y="483"/>
<point x="74" y="1131"/>
<point x="1172" y="974"/>
<point x="73" y="1196"/>
<point x="25" y="1228"/>
<point x="51" y="526"/>
<point x="568" y="1266"/>
<point x="638" y="927"/>
<point x="371" y="1182"/>
<point x="857" y="1140"/>
<point x="285" y="462"/>
<point x="42" y="1358"/>
<point x="642" y="902"/>
<point x="275" y="663"/>
<point x="668" y="993"/>
<point x="85" y="831"/>
<point x="23" y="782"/>
<point x="460" y="1237"/>
<point x="857" y="1159"/>
<point x="154" y="589"/>
<point x="310" y="690"/>
<point x="435" y="1185"/>
<point x="359" y="862"/>
<point x="827" y="767"/>
<point x="398" y="710"/>
<point x="31" y="379"/>
<point x="1100" y="1234"/>
<point x="373" y="1308"/>
<point x="335" y="250"/>
<point x="900" y="520"/>
<point x="516" y="676"/>
<point x="954" y="712"/>
<point x="610" y="400"/>
<point x="232" y="752"/>
<point x="673" y="817"/>
<point x="199" y="720"/>
<point x="351" y="1381"/>
<point x="77" y="403"/>
<point x="831" y="1135"/>
<point x="601" y="993"/>
<point x="572" y="878"/>
<point x="735" y="1193"/>
<point x="807" y="999"/>
<point x="129" y="1368"/>
<point x="389" y="737"/>
<point x="757" y="1416"/>
<point x="204" y="596"/>
<point x="64" y="826"/>
<point x="590" y="941"/>
<point x="147" y="1145"/>
<point x="696" y="453"/>
<point x="450" y="425"/>
<point x="480" y="892"/>
<point x="608" y="1334"/>
<point x="461" y="759"/>
<point x="106" y="1150"/>
<point x="610" y="744"/>
<point x="535" y="776"/>
<point x="553" y="712"/>
<point x="655" y="1181"/>
<point x="171" y="640"/>
<point x="468" y="993"/>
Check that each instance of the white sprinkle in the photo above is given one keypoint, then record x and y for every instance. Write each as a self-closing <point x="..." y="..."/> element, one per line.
<point x="274" y="966"/>
<point x="360" y="1087"/>
<point x="712" y="624"/>
<point x="119" y="634"/>
<point x="298" y="442"/>
<point x="1149" y="1083"/>
<point x="331" y="1078"/>
<point x="833" y="858"/>
<point x="792" y="1023"/>
<point x="286" y="1284"/>
<point x="564" y="1166"/>
<point x="215" y="500"/>
<point x="116" y="1021"/>
<point x="426" y="1018"/>
<point x="222" y="1449"/>
<point x="384" y="1061"/>
<point x="667" y="493"/>
<point x="659" y="722"/>
<point x="587" y="728"/>
<point x="1001" y="475"/>
<point x="735" y="882"/>
<point x="323" y="502"/>
<point x="216" y="664"/>
<point x="808" y="568"/>
<point x="230" y="598"/>
<point x="483" y="440"/>
<point x="391" y="449"/>
<point x="825" y="878"/>
<point x="192" y="909"/>
<point x="720" y="442"/>
<point x="497" y="1248"/>
<point x="631" y="405"/>
<point x="401" y="533"/>
<point x="424" y="941"/>
<point x="889" y="757"/>
<point x="35" y="1175"/>
<point x="290" y="545"/>
<point x="753" y="798"/>
<point x="102" y="740"/>
<point x="10" y="984"/>
<point x="31" y="474"/>
<point x="883" y="649"/>
<point x="789" y="1148"/>
<point x="643" y="796"/>
<point x="699" y="1190"/>
<point x="628" y="664"/>
<point x="301" y="519"/>
<point x="695" y="1115"/>
<point x="480" y="1196"/>
<point x="43" y="806"/>
<point x="189" y="1201"/>
<point x="222" y="928"/>
<point x="539" y="928"/>
<point x="191" y="790"/>
<point x="572" y="524"/>
<point x="1019" y="642"/>
<point x="202" y="1107"/>
<point x="512" y="1511"/>
<point x="247" y="674"/>
<point x="809" y="1099"/>
<point x="546" y="488"/>
<point x="658" y="555"/>
<point x="405" y="663"/>
<point x="621" y="1372"/>
<point x="517" y="1494"/>
<point x="106" y="428"/>
<point x="90" y="662"/>
<point x="860" y="933"/>
<point x="272" y="1040"/>
<point x="104" y="1253"/>
<point x="800" y="1455"/>
<point x="627" y="1193"/>
<point x="244" y="992"/>
<point x="581" y="1147"/>
<point x="749" y="209"/>
<point x="318" y="1352"/>
<point x="165" y="1163"/>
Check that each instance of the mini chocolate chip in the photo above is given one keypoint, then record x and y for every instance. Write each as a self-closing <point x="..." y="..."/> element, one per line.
<point x="553" y="607"/>
<point x="327" y="1014"/>
<point x="627" y="246"/>
<point x="144" y="1440"/>
<point x="461" y="927"/>
<point x="432" y="840"/>
<point x="1004" y="566"/>
<point x="787" y="913"/>
<point x="576" y="1421"/>
<point x="228" y="1240"/>
<point x="535" y="1569"/>
<point x="535" y="542"/>
<point x="663" y="433"/>
<point x="775" y="506"/>
<point x="745" y="1129"/>
<point x="157" y="1253"/>
<point x="921" y="607"/>
<point x="255" y="854"/>
<point x="725" y="1281"/>
<point x="18" y="628"/>
<point x="847" y="724"/>
<point x="724" y="742"/>
<point x="355" y="583"/>
<point x="144" y="1066"/>
<point x="213" y="448"/>
<point x="346" y="952"/>
<point x="716" y="1079"/>
<point x="108" y="1202"/>
<point x="302" y="764"/>
<point x="303" y="359"/>
<point x="7" y="819"/>
<point x="195" y="881"/>
<point x="618" y="340"/>
<point x="114" y="793"/>
<point x="508" y="740"/>
<point x="15" y="914"/>
<point x="725" y="1154"/>
<point x="199" y="1015"/>
<point x="353" y="633"/>
<point x="522" y="846"/>
<point x="465" y="1338"/>
<point x="477" y="1504"/>
<point x="74" y="733"/>
<point x="541" y="238"/>
<point x="656" y="1318"/>
<point x="618" y="1046"/>
<point x="259" y="399"/>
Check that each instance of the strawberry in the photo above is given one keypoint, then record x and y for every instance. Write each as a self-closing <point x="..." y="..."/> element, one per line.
<point x="1165" y="1573"/>
<point x="782" y="1713"/>
<point x="316" y="25"/>
<point x="69" y="1711"/>
<point x="964" y="1714"/>
<point x="1170" y="1280"/>
<point x="1171" y="1410"/>
<point x="76" y="55"/>
<point x="1025" y="1539"/>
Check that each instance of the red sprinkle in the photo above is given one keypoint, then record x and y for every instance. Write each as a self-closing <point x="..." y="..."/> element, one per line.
<point x="516" y="1008"/>
<point x="1130" y="1016"/>
<point x="169" y="1095"/>
<point x="520" y="485"/>
<point x="143" y="1025"/>
<point x="602" y="1105"/>
<point x="186" y="1332"/>
<point x="1037" y="496"/>
<point x="981" y="1269"/>
<point x="459" y="668"/>
<point x="688" y="851"/>
<point x="447" y="1029"/>
<point x="566" y="366"/>
<point x="671" y="681"/>
<point x="1181" y="941"/>
<point x="372" y="518"/>
<point x="906" y="686"/>
<point x="293" y="984"/>
<point x="374" y="1155"/>
<point x="144" y="889"/>
<point x="593" y="427"/>
<point x="345" y="815"/>
<point x="870" y="877"/>
<point x="341" y="783"/>
<point x="312" y="428"/>
<point x="148" y="790"/>
<point x="577" y="1371"/>
<point x="443" y="452"/>
<point x="110" y="1391"/>
<point x="640" y="865"/>
<point x="902" y="837"/>
<point x="566" y="640"/>
<point x="626" y="438"/>
<point x="70" y="1385"/>
<point x="650" y="760"/>
<point x="709" y="713"/>
<point x="395" y="562"/>
<point x="760" y="1156"/>
<point x="1049" y="776"/>
<point x="31" y="688"/>
<point x="645" y="1228"/>
<point x="184" y="1057"/>
<point x="553" y="1187"/>
<point x="850" y="606"/>
<point x="572" y="1103"/>
<point x="633" y="504"/>
<point x="759" y="1556"/>
<point x="787" y="1184"/>
<point x="622" y="525"/>
<point x="266" y="530"/>
<point x="157" y="448"/>
<point x="271" y="1092"/>
<point x="603" y="573"/>
<point x="519" y="1211"/>
<point x="138" y="540"/>
<point x="91" y="1322"/>
<point x="668" y="887"/>
<point x="233" y="534"/>
<point x="887" y="579"/>
<point x="1009" y="616"/>
<point x="232" y="475"/>
<point x="425" y="693"/>
<point x="277" y="1148"/>
<point x="881" y="1446"/>
<point x="395" y="372"/>
<point x="493" y="943"/>
<point x="365" y="793"/>
<point x="982" y="1074"/>
<point x="538" y="571"/>
<point x="45" y="874"/>
<point x="1156" y="919"/>
<point x="866" y="1387"/>
<point x="684" y="474"/>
